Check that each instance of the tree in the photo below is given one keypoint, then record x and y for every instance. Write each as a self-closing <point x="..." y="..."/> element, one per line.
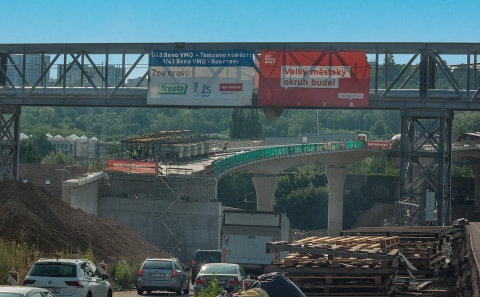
<point x="234" y="125"/>
<point x="29" y="152"/>
<point x="235" y="188"/>
<point x="58" y="158"/>
<point x="42" y="144"/>
<point x="241" y="125"/>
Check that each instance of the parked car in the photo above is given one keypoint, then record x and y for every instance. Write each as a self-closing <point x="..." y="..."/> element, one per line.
<point x="21" y="291"/>
<point x="163" y="275"/>
<point x="69" y="277"/>
<point x="227" y="274"/>
<point x="203" y="257"/>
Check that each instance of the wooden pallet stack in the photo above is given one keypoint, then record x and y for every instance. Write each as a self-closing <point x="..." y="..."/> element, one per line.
<point x="340" y="266"/>
<point x="426" y="255"/>
<point x="421" y="246"/>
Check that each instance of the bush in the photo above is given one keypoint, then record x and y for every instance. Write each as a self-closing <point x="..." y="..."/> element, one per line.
<point x="18" y="256"/>
<point x="125" y="274"/>
<point x="212" y="290"/>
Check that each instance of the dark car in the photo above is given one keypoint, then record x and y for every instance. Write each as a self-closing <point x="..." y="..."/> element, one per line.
<point x="227" y="274"/>
<point x="203" y="257"/>
<point x="163" y="275"/>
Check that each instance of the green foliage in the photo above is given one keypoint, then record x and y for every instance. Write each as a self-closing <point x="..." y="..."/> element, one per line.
<point x="235" y="188"/>
<point x="125" y="273"/>
<point x="29" y="152"/>
<point x="34" y="147"/>
<point x="89" y="253"/>
<point x="245" y="125"/>
<point x="307" y="207"/>
<point x="212" y="290"/>
<point x="58" y="158"/>
<point x="19" y="256"/>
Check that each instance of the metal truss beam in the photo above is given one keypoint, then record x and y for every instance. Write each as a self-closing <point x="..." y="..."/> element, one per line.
<point x="92" y="58"/>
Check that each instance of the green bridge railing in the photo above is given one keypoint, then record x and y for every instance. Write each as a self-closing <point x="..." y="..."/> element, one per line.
<point x="229" y="162"/>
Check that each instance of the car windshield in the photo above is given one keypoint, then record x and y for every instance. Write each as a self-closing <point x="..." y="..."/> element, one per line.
<point x="217" y="269"/>
<point x="53" y="270"/>
<point x="157" y="264"/>
<point x="208" y="257"/>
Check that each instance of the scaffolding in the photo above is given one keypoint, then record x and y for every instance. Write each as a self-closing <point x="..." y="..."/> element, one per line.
<point x="156" y="175"/>
<point x="171" y="194"/>
<point x="409" y="212"/>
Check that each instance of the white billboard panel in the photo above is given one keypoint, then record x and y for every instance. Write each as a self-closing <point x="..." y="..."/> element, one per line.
<point x="200" y="78"/>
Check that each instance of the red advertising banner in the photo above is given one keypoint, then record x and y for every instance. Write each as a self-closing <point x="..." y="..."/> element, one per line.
<point x="131" y="166"/>
<point x="314" y="79"/>
<point x="384" y="145"/>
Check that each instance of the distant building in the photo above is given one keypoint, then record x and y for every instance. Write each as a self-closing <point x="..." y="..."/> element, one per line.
<point x="132" y="82"/>
<point x="34" y="66"/>
<point x="74" y="76"/>
<point x="79" y="147"/>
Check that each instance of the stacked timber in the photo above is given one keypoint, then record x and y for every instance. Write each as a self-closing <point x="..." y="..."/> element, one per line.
<point x="421" y="246"/>
<point x="340" y="266"/>
<point x="426" y="255"/>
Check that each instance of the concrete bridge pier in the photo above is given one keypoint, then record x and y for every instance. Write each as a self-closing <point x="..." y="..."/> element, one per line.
<point x="336" y="180"/>
<point x="265" y="186"/>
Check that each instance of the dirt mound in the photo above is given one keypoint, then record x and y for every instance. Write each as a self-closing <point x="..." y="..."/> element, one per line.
<point x="375" y="216"/>
<point x="30" y="214"/>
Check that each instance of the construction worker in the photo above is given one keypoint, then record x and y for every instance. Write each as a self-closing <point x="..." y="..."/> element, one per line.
<point x="134" y="154"/>
<point x="225" y="147"/>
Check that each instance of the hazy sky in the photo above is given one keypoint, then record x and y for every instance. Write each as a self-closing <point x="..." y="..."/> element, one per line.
<point x="63" y="21"/>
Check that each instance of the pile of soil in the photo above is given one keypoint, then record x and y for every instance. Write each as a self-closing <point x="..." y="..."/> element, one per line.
<point x="29" y="214"/>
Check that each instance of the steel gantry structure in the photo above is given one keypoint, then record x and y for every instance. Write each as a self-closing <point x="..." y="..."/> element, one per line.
<point x="99" y="74"/>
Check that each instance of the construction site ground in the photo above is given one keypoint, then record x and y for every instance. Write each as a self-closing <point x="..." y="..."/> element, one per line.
<point x="29" y="214"/>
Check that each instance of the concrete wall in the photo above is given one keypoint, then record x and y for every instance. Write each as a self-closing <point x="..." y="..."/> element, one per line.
<point x="82" y="196"/>
<point x="179" y="228"/>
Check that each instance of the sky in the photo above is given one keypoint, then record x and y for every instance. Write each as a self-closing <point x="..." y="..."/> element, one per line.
<point x="91" y="21"/>
<point x="121" y="21"/>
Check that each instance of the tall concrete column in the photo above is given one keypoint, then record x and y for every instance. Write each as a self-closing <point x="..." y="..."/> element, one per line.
<point x="265" y="187"/>
<point x="336" y="181"/>
<point x="476" y="173"/>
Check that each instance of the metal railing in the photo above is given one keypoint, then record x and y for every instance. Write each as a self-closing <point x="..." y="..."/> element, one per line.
<point x="230" y="162"/>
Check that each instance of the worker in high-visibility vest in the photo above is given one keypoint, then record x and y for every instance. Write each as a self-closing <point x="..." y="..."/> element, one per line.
<point x="225" y="147"/>
<point x="134" y="154"/>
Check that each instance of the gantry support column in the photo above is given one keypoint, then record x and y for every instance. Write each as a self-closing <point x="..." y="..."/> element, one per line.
<point x="265" y="187"/>
<point x="9" y="149"/>
<point x="336" y="181"/>
<point x="427" y="136"/>
<point x="476" y="173"/>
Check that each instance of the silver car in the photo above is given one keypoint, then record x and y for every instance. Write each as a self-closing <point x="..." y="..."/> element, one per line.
<point x="163" y="275"/>
<point x="22" y="291"/>
<point x="227" y="274"/>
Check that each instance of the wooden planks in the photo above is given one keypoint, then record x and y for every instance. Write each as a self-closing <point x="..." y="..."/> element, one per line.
<point x="340" y="266"/>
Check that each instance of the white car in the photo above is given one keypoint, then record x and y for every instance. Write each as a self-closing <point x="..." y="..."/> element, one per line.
<point x="69" y="277"/>
<point x="21" y="291"/>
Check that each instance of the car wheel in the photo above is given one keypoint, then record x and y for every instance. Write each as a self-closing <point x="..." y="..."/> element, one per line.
<point x="89" y="294"/>
<point x="180" y="291"/>
<point x="187" y="288"/>
<point x="139" y="291"/>
<point x="109" y="294"/>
